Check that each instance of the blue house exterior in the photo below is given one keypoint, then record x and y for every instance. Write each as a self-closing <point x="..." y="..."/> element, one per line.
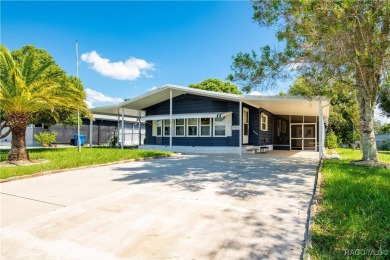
<point x="189" y="120"/>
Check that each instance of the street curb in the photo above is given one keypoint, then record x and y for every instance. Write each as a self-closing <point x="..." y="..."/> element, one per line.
<point x="311" y="213"/>
<point x="16" y="178"/>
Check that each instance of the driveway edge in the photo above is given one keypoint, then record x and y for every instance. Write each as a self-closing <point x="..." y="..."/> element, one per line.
<point x="16" y="178"/>
<point x="311" y="213"/>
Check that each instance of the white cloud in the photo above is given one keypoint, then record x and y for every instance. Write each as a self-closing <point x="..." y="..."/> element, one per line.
<point x="152" y="88"/>
<point x="94" y="97"/>
<point x="131" y="69"/>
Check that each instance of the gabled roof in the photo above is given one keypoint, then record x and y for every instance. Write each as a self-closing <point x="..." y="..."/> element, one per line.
<point x="282" y="105"/>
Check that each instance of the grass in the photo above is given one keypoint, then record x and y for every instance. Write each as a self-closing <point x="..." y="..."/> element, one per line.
<point x="64" y="158"/>
<point x="353" y="221"/>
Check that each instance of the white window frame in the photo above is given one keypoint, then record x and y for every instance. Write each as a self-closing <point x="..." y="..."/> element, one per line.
<point x="263" y="116"/>
<point x="161" y="128"/>
<point x="183" y="125"/>
<point x="209" y="125"/>
<point x="214" y="125"/>
<point x="197" y="127"/>
<point x="164" y="125"/>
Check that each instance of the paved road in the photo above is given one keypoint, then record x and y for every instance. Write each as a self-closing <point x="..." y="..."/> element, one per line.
<point x="189" y="207"/>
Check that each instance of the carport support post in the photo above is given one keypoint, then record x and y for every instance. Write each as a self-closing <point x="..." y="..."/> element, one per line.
<point x="90" y="132"/>
<point x="139" y="127"/>
<point x="123" y="128"/>
<point x="170" y="120"/>
<point x="321" y="129"/>
<point x="240" y="130"/>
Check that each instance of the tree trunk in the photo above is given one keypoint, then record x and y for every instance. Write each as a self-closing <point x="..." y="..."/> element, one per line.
<point x="18" y="123"/>
<point x="366" y="113"/>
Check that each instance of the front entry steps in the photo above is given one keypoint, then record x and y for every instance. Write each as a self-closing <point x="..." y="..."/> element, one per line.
<point x="255" y="149"/>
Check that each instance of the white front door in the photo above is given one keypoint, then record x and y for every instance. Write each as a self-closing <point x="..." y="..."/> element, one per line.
<point x="245" y="126"/>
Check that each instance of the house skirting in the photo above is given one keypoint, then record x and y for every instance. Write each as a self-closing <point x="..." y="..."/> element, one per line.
<point x="193" y="149"/>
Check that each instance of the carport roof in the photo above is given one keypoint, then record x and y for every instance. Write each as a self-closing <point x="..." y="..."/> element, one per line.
<point x="280" y="105"/>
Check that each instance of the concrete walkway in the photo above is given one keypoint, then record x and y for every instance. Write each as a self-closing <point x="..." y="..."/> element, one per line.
<point x="190" y="207"/>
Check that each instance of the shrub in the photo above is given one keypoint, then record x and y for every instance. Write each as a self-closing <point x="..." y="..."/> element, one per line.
<point x="331" y="140"/>
<point x="385" y="146"/>
<point x="113" y="141"/>
<point x="46" y="138"/>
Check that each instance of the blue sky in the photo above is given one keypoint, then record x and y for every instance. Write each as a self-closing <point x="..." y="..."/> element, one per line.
<point x="127" y="48"/>
<point x="163" y="42"/>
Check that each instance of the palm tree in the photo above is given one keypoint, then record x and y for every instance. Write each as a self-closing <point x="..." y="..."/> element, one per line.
<point x="28" y="86"/>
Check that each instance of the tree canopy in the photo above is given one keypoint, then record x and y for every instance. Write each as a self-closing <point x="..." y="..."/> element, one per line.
<point x="343" y="41"/>
<point x="31" y="84"/>
<point x="217" y="85"/>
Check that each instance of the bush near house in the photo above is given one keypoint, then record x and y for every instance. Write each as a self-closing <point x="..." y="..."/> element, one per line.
<point x="331" y="140"/>
<point x="46" y="138"/>
<point x="353" y="218"/>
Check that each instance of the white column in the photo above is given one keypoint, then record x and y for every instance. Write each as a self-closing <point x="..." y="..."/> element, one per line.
<point x="240" y="131"/>
<point x="132" y="134"/>
<point x="90" y="132"/>
<point x="123" y="128"/>
<point x="170" y="120"/>
<point x="320" y="130"/>
<point x="139" y="127"/>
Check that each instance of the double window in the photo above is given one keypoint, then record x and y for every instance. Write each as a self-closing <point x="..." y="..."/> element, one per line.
<point x="193" y="127"/>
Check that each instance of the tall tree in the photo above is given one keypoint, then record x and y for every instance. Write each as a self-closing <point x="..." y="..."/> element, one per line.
<point x="343" y="40"/>
<point x="217" y="85"/>
<point x="28" y="86"/>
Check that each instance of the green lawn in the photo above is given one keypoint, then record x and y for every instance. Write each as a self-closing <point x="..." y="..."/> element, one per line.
<point x="63" y="158"/>
<point x="353" y="221"/>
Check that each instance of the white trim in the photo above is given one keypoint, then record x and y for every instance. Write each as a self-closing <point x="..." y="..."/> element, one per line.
<point x="246" y="140"/>
<point x="197" y="127"/>
<point x="189" y="115"/>
<point x="240" y="130"/>
<point x="194" y="149"/>
<point x="176" y="125"/>
<point x="170" y="119"/>
<point x="261" y="122"/>
<point x="209" y="125"/>
<point x="214" y="125"/>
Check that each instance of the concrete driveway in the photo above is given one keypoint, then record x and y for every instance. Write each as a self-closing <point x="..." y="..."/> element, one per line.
<point x="189" y="207"/>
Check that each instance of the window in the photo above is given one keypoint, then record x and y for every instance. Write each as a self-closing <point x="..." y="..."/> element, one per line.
<point x="159" y="127"/>
<point x="179" y="129"/>
<point x="205" y="125"/>
<point x="264" y="122"/>
<point x="167" y="127"/>
<point x="192" y="127"/>
<point x="219" y="127"/>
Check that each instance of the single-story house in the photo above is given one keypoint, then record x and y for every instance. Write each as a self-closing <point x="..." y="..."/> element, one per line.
<point x="185" y="119"/>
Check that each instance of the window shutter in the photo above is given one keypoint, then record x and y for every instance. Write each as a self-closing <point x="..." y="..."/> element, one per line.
<point x="154" y="128"/>
<point x="228" y="120"/>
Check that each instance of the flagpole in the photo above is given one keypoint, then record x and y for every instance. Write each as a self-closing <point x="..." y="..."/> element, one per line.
<point x="78" y="110"/>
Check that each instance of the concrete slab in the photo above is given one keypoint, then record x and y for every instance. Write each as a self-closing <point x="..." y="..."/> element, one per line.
<point x="192" y="207"/>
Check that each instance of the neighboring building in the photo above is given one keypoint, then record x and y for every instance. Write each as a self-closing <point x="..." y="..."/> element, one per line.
<point x="381" y="139"/>
<point x="104" y="127"/>
<point x="207" y="121"/>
